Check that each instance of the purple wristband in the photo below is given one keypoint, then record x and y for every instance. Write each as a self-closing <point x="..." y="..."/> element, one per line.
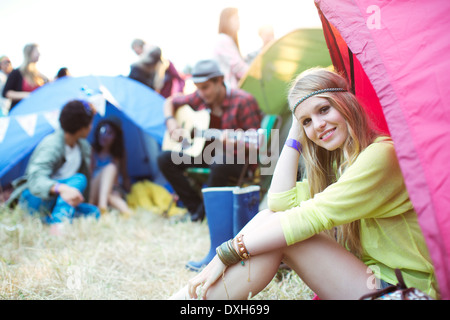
<point x="56" y="188"/>
<point x="294" y="144"/>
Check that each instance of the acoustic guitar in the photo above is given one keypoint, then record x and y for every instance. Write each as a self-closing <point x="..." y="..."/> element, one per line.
<point x="193" y="123"/>
<point x="197" y="132"/>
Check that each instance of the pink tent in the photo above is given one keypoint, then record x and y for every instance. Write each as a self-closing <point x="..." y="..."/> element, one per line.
<point x="396" y="54"/>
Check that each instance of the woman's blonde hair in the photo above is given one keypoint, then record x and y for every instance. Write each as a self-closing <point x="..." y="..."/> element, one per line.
<point x="224" y="24"/>
<point x="323" y="167"/>
<point x="28" y="68"/>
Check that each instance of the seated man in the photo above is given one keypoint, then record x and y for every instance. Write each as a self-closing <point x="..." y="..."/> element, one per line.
<point x="57" y="176"/>
<point x="229" y="109"/>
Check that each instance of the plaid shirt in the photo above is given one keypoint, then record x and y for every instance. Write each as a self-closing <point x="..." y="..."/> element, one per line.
<point x="240" y="109"/>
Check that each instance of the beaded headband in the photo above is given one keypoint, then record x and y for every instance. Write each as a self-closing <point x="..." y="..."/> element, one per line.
<point x="314" y="93"/>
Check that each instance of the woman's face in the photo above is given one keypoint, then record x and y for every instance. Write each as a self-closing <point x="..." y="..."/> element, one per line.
<point x="106" y="135"/>
<point x="323" y="124"/>
<point x="35" y="54"/>
<point x="235" y="23"/>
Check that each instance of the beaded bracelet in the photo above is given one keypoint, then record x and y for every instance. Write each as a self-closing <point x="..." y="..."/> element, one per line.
<point x="242" y="250"/>
<point x="243" y="253"/>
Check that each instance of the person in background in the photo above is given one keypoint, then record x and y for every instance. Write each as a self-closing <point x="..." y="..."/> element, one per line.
<point x="5" y="70"/>
<point x="62" y="72"/>
<point x="267" y="36"/>
<point x="109" y="171"/>
<point x="157" y="72"/>
<point x="26" y="78"/>
<point x="57" y="177"/>
<point x="226" y="50"/>
<point x="138" y="46"/>
<point x="346" y="228"/>
<point x="230" y="109"/>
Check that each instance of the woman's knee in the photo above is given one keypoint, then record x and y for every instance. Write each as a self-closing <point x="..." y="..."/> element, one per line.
<point x="257" y="220"/>
<point x="318" y="240"/>
<point x="111" y="168"/>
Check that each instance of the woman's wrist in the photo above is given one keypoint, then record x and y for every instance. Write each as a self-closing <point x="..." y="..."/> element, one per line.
<point x="227" y="254"/>
<point x="294" y="144"/>
<point x="232" y="251"/>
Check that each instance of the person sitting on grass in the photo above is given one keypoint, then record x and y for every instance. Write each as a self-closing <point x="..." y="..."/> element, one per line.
<point x="57" y="176"/>
<point x="346" y="228"/>
<point x="108" y="163"/>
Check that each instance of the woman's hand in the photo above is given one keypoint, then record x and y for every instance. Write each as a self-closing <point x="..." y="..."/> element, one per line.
<point x="209" y="275"/>
<point x="295" y="130"/>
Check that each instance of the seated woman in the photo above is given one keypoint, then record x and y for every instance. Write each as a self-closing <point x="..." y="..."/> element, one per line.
<point x="108" y="167"/>
<point x="354" y="189"/>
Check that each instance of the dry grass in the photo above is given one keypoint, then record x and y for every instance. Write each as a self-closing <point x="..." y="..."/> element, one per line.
<point x="142" y="257"/>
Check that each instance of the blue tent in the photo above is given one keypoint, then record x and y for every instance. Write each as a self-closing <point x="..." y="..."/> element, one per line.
<point x="139" y="108"/>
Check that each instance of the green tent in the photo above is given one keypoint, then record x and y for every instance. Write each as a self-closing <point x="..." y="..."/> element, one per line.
<point x="273" y="69"/>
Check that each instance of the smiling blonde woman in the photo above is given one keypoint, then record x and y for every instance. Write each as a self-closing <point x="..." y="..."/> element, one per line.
<point x="346" y="228"/>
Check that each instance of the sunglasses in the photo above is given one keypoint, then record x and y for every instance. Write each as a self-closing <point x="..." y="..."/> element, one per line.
<point x="106" y="130"/>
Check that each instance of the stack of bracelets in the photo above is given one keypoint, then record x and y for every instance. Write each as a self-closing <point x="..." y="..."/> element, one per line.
<point x="228" y="254"/>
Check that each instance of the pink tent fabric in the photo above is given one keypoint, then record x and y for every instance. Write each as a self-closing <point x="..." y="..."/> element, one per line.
<point x="403" y="48"/>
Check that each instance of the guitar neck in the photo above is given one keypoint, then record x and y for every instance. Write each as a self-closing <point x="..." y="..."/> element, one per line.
<point x="251" y="136"/>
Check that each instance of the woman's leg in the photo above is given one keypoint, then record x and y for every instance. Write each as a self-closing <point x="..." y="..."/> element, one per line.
<point x="262" y="270"/>
<point x="329" y="269"/>
<point x="324" y="265"/>
<point x="107" y="177"/>
<point x="116" y="201"/>
<point x="93" y="192"/>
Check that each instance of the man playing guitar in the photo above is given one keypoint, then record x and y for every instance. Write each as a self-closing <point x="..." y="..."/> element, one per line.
<point x="229" y="109"/>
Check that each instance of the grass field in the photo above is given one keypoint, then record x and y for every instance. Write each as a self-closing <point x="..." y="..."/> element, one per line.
<point x="141" y="257"/>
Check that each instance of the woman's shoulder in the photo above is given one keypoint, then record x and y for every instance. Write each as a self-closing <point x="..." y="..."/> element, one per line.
<point x="224" y="37"/>
<point x="382" y="144"/>
<point x="380" y="153"/>
<point x="223" y="41"/>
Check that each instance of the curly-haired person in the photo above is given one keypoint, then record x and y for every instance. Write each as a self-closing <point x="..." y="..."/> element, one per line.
<point x="56" y="180"/>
